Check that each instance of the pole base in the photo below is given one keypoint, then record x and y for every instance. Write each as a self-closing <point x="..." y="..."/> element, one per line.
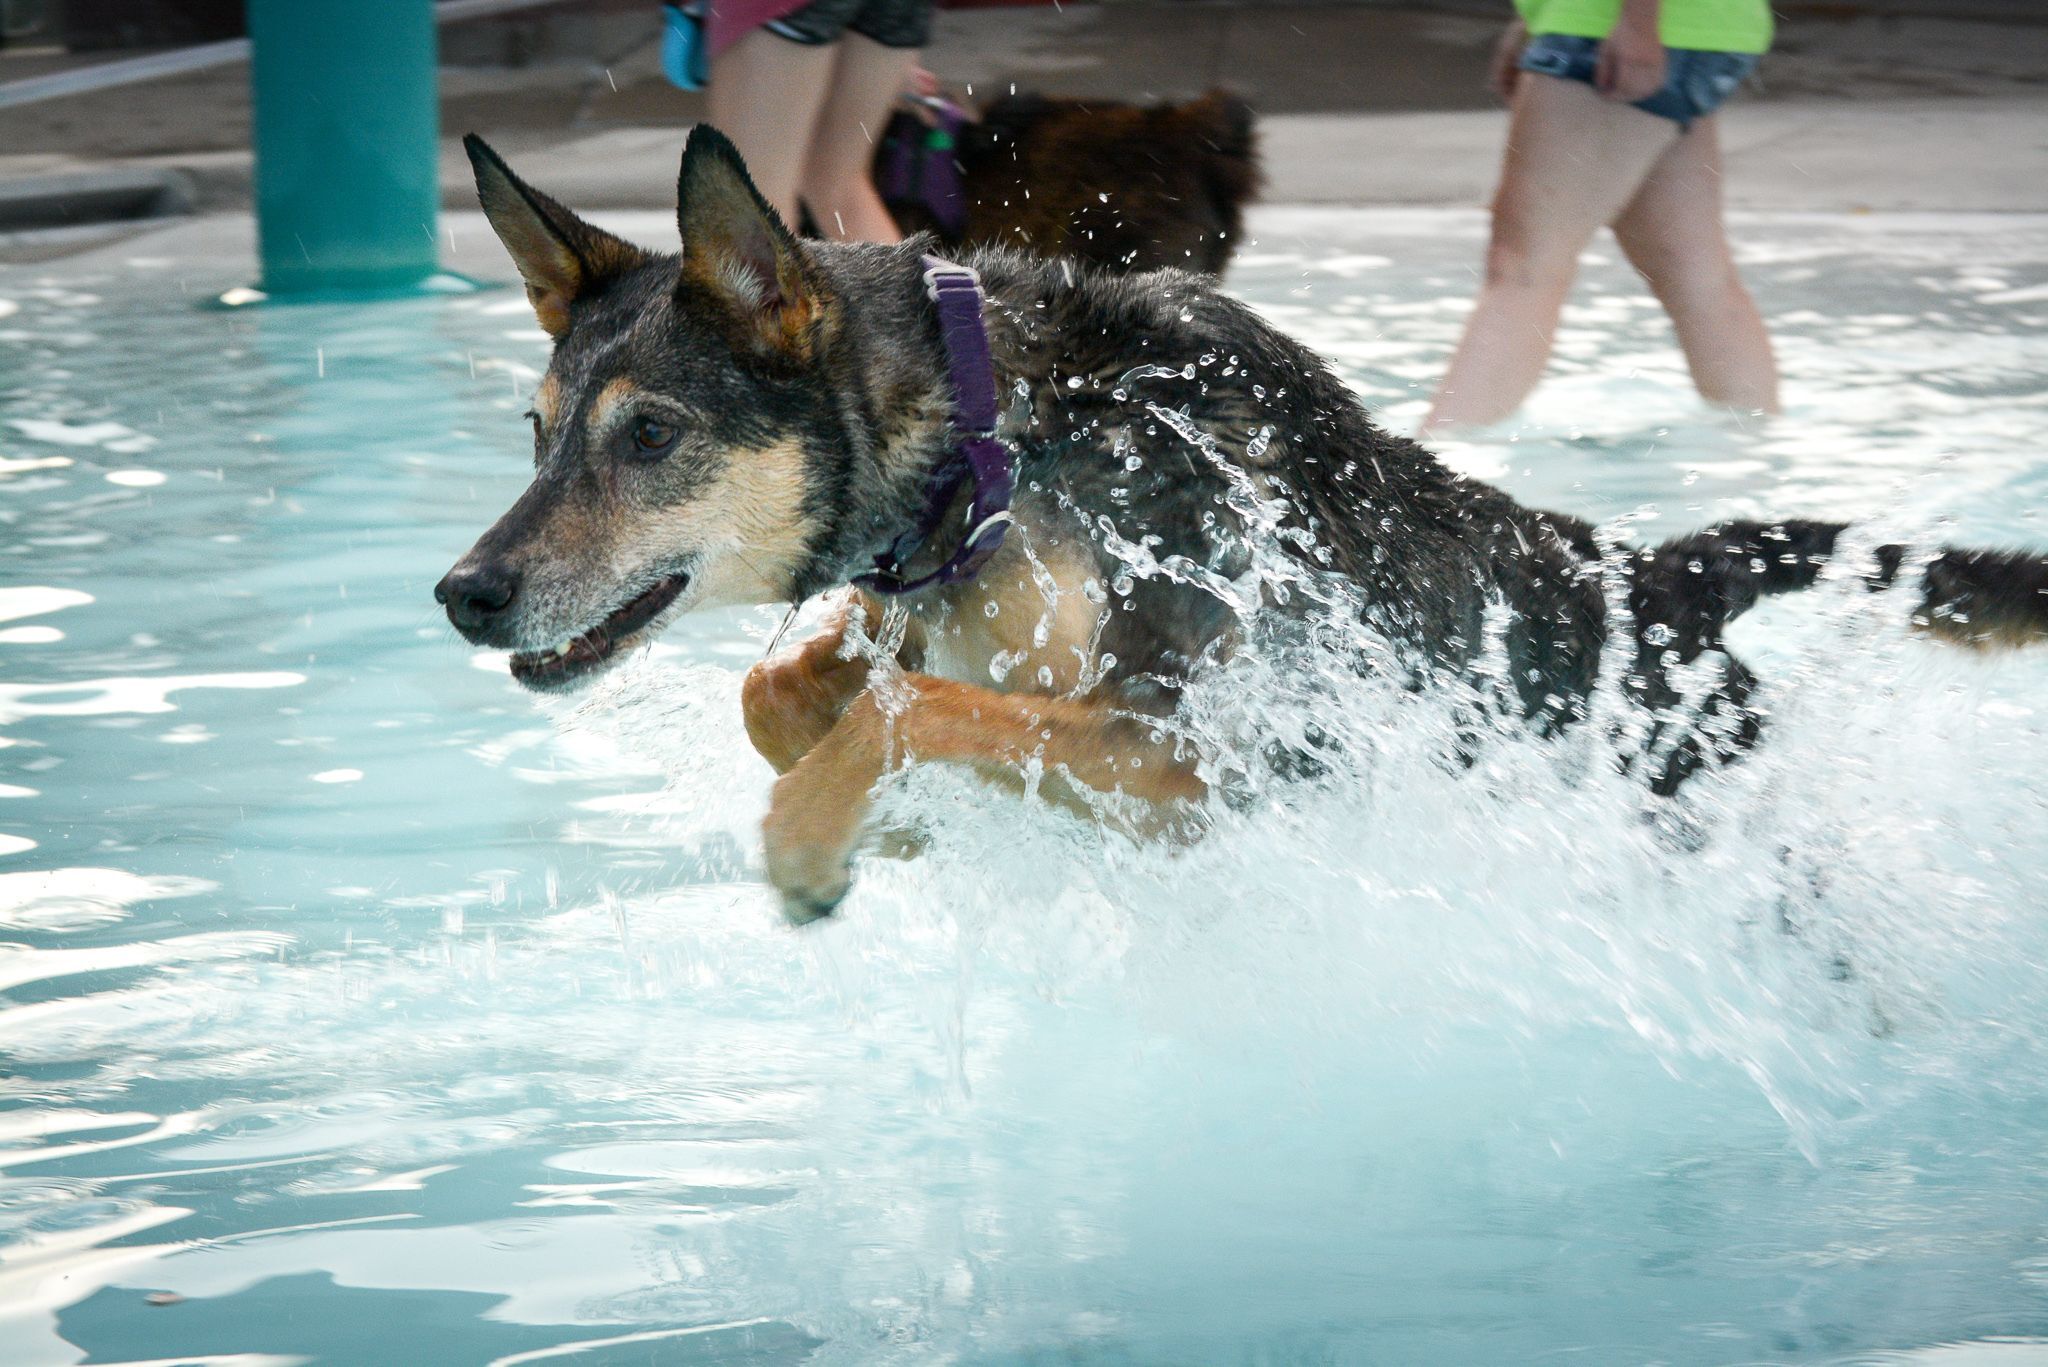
<point x="440" y="282"/>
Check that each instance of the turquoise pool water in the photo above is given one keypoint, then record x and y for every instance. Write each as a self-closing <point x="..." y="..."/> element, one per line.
<point x="356" y="1007"/>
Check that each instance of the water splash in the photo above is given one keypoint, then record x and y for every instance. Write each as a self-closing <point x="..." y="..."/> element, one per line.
<point x="1407" y="1059"/>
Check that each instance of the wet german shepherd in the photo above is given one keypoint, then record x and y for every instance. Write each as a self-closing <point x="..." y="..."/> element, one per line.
<point x="755" y="420"/>
<point x="1122" y="186"/>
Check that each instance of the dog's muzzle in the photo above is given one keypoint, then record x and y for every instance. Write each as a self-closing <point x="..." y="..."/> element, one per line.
<point x="564" y="666"/>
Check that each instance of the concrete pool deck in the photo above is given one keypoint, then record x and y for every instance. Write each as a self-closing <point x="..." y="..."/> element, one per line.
<point x="1934" y="154"/>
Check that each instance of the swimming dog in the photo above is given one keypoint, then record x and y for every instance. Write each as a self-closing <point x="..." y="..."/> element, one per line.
<point x="762" y="420"/>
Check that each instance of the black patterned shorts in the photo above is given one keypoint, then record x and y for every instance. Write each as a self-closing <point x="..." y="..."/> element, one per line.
<point x="892" y="23"/>
<point x="1695" y="82"/>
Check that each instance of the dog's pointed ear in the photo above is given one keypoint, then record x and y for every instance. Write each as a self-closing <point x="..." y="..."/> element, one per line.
<point x="737" y="248"/>
<point x="560" y="257"/>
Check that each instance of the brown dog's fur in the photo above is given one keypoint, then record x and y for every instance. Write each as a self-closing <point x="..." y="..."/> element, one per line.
<point x="1130" y="187"/>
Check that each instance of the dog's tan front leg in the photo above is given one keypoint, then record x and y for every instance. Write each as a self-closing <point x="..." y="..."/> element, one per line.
<point x="816" y="811"/>
<point x="792" y="700"/>
<point x="815" y="817"/>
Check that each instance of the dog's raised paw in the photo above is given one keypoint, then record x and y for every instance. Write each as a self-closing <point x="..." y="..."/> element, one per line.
<point x="800" y="909"/>
<point x="815" y="814"/>
<point x="808" y="899"/>
<point x="812" y="876"/>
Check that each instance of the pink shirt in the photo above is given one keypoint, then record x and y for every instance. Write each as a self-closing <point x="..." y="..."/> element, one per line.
<point x="732" y="20"/>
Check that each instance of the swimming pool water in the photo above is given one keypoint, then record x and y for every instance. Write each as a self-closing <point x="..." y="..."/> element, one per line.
<point x="356" y="1006"/>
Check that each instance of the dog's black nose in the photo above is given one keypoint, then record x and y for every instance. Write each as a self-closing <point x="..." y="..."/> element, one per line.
<point x="475" y="593"/>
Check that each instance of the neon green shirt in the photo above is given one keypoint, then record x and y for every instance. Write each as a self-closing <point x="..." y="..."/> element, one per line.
<point x="1706" y="25"/>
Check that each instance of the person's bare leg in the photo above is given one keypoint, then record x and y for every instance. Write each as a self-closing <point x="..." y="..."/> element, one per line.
<point x="866" y="80"/>
<point x="1573" y="160"/>
<point x="1673" y="234"/>
<point x="765" y="94"/>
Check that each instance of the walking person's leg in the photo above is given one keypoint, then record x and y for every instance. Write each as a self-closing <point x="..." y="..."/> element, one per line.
<point x="1672" y="233"/>
<point x="765" y="94"/>
<point x="867" y="79"/>
<point x="1574" y="160"/>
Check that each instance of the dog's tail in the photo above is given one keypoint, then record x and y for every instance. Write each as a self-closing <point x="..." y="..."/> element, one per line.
<point x="1983" y="599"/>
<point x="1693" y="585"/>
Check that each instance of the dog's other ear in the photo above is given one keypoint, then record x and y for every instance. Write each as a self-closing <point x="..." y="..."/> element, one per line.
<point x="737" y="249"/>
<point x="559" y="256"/>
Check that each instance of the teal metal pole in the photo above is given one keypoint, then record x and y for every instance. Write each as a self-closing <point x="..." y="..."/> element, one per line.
<point x="347" y="133"/>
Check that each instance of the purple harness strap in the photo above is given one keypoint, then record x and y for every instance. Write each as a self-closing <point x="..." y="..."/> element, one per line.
<point x="918" y="164"/>
<point x="979" y="456"/>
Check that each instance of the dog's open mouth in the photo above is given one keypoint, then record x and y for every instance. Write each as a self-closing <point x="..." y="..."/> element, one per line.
<point x="586" y="652"/>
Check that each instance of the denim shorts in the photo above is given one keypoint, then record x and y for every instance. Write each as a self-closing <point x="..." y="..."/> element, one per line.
<point x="892" y="23"/>
<point x="1695" y="83"/>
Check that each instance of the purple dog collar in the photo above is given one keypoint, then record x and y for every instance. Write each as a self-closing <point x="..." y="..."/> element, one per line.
<point x="956" y="291"/>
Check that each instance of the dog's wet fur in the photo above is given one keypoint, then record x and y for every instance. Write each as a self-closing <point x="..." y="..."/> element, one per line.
<point x="801" y="391"/>
<point x="1123" y="186"/>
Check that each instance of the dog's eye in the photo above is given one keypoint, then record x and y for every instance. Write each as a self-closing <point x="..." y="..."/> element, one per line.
<point x="652" y="437"/>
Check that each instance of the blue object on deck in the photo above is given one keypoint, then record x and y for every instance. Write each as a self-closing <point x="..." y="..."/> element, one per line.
<point x="685" y="52"/>
<point x="347" y="129"/>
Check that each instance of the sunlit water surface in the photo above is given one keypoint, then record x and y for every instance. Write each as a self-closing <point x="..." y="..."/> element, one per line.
<point x="356" y="1007"/>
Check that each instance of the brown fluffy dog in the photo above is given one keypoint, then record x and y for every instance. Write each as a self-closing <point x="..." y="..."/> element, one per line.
<point x="1131" y="187"/>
